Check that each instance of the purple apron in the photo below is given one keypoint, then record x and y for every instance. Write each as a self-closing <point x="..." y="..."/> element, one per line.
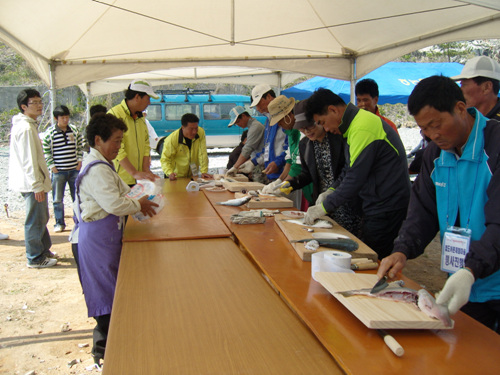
<point x="99" y="249"/>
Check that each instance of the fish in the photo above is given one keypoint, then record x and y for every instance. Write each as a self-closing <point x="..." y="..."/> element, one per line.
<point x="421" y="299"/>
<point x="235" y="202"/>
<point x="345" y="244"/>
<point x="317" y="224"/>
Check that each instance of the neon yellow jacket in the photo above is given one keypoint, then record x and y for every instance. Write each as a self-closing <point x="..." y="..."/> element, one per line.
<point x="135" y="143"/>
<point x="176" y="156"/>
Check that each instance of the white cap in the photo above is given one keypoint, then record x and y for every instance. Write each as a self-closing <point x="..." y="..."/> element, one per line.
<point x="141" y="85"/>
<point x="480" y="66"/>
<point x="234" y="113"/>
<point x="257" y="93"/>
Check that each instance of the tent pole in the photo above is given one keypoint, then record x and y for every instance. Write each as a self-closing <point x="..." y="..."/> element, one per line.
<point x="52" y="91"/>
<point x="353" y="79"/>
<point x="87" y="102"/>
<point x="279" y="83"/>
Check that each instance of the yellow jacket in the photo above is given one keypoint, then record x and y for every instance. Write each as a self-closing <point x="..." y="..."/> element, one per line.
<point x="135" y="143"/>
<point x="176" y="156"/>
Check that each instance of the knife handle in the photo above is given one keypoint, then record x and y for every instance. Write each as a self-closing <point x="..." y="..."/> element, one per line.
<point x="391" y="342"/>
<point x="364" y="266"/>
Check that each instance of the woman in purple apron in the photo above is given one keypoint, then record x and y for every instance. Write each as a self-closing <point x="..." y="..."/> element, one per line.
<point x="100" y="208"/>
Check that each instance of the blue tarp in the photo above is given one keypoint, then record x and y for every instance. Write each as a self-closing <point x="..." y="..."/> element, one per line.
<point x="395" y="80"/>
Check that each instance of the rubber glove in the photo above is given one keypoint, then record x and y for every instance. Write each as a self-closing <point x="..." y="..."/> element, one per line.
<point x="269" y="188"/>
<point x="456" y="290"/>
<point x="313" y="213"/>
<point x="286" y="188"/>
<point x="232" y="172"/>
<point x="322" y="196"/>
<point x="246" y="167"/>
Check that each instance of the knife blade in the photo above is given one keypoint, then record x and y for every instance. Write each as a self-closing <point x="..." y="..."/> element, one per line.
<point x="379" y="285"/>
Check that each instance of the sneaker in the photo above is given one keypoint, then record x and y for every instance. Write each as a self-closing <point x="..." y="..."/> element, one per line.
<point x="59" y="228"/>
<point x="3" y="236"/>
<point x="52" y="255"/>
<point x="47" y="262"/>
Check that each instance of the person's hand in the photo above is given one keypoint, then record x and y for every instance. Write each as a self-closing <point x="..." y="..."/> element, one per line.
<point x="271" y="168"/>
<point x="79" y="166"/>
<point x="54" y="170"/>
<point x="321" y="198"/>
<point x="456" y="290"/>
<point x="172" y="176"/>
<point x="269" y="188"/>
<point x="313" y="213"/>
<point x="206" y="175"/>
<point x="40" y="197"/>
<point x="145" y="176"/>
<point x="391" y="265"/>
<point x="147" y="206"/>
<point x="246" y="167"/>
<point x="286" y="188"/>
<point x="232" y="172"/>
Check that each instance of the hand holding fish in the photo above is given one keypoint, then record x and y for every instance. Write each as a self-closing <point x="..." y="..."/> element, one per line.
<point x="246" y="167"/>
<point x="456" y="290"/>
<point x="391" y="265"/>
<point x="269" y="188"/>
<point x="313" y="213"/>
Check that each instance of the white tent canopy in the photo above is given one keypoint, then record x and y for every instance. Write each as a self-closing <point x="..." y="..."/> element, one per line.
<point x="81" y="41"/>
<point x="227" y="74"/>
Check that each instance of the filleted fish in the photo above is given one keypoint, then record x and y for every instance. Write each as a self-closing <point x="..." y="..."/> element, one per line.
<point x="421" y="298"/>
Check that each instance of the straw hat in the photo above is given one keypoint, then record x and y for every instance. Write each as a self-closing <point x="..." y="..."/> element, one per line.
<point x="279" y="108"/>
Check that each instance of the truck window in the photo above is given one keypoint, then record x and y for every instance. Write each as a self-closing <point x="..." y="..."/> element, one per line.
<point x="154" y="112"/>
<point x="217" y="111"/>
<point x="174" y="112"/>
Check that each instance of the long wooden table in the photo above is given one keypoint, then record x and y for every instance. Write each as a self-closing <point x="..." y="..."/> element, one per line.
<point x="468" y="348"/>
<point x="199" y="307"/>
<point x="186" y="215"/>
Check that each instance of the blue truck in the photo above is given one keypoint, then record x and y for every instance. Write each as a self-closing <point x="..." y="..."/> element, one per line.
<point x="165" y="114"/>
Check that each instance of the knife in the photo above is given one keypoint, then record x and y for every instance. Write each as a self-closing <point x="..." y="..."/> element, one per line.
<point x="379" y="285"/>
<point x="391" y="342"/>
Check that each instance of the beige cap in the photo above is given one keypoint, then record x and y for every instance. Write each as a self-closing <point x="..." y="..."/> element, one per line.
<point x="279" y="108"/>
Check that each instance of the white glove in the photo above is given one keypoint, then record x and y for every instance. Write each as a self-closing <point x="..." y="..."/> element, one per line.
<point x="231" y="172"/>
<point x="313" y="213"/>
<point x="456" y="290"/>
<point x="269" y="188"/>
<point x="322" y="196"/>
<point x="246" y="167"/>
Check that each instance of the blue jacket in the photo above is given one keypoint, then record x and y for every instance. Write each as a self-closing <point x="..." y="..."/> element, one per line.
<point x="466" y="189"/>
<point x="278" y="144"/>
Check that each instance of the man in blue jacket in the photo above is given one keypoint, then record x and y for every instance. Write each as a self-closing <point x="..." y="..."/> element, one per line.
<point x="457" y="193"/>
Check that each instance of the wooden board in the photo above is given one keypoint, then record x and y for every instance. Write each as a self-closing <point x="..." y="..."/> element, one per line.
<point x="298" y="232"/>
<point x="239" y="186"/>
<point x="375" y="312"/>
<point x="239" y="177"/>
<point x="267" y="201"/>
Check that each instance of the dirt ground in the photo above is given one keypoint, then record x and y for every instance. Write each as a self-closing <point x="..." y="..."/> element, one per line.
<point x="38" y="306"/>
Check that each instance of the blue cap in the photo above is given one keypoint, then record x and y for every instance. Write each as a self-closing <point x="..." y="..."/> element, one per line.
<point x="234" y="113"/>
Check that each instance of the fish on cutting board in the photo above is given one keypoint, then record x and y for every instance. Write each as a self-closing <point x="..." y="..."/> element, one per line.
<point x="235" y="202"/>
<point x="421" y="299"/>
<point x="345" y="244"/>
<point x="317" y="224"/>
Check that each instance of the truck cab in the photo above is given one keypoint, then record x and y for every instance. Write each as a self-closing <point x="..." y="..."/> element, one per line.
<point x="165" y="114"/>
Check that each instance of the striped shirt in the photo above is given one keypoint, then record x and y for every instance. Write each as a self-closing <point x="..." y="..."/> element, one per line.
<point x="63" y="150"/>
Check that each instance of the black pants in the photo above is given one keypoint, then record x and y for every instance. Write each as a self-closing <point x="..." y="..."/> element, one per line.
<point x="380" y="230"/>
<point x="487" y="313"/>
<point x="74" y="250"/>
<point x="100" y="336"/>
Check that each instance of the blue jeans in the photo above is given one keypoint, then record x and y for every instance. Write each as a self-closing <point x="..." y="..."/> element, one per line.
<point x="36" y="235"/>
<point x="59" y="181"/>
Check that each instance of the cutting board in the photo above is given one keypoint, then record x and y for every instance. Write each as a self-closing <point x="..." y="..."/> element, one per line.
<point x="375" y="312"/>
<point x="299" y="232"/>
<point x="239" y="186"/>
<point x="267" y="201"/>
<point x="239" y="177"/>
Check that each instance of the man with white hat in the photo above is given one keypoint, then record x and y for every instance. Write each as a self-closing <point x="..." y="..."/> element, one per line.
<point x="133" y="162"/>
<point x="479" y="80"/>
<point x="255" y="138"/>
<point x="272" y="155"/>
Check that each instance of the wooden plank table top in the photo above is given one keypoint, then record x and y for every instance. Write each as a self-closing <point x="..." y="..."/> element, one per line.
<point x="186" y="215"/>
<point x="467" y="348"/>
<point x="200" y="307"/>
